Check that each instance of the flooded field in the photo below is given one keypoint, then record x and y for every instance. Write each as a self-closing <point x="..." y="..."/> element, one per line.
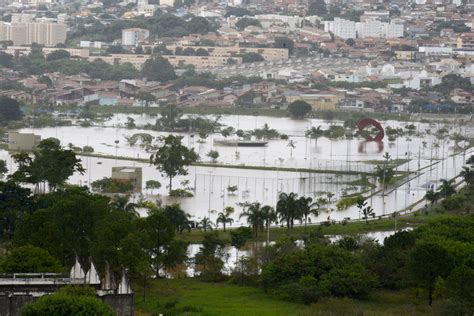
<point x="429" y="160"/>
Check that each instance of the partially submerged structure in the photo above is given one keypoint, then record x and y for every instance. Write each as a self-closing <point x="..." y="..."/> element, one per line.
<point x="19" y="289"/>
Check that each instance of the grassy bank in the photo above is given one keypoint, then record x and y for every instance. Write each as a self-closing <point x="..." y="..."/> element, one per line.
<point x="193" y="297"/>
<point x="350" y="228"/>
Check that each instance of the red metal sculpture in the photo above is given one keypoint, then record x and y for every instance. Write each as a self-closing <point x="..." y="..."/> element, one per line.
<point x="371" y="122"/>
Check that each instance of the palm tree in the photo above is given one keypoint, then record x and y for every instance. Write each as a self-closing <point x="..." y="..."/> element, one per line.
<point x="468" y="175"/>
<point x="432" y="197"/>
<point x="315" y="133"/>
<point x="287" y="208"/>
<point x="292" y="145"/>
<point x="122" y="203"/>
<point x="269" y="216"/>
<point x="254" y="216"/>
<point x="224" y="217"/>
<point x="205" y="224"/>
<point x="306" y="208"/>
<point x="446" y="188"/>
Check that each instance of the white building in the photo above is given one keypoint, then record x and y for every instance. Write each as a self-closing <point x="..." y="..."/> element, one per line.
<point x="169" y="3"/>
<point x="131" y="37"/>
<point x="341" y="28"/>
<point x="348" y="29"/>
<point x="22" y="30"/>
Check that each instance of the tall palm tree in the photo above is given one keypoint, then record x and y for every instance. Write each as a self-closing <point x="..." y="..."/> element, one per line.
<point x="224" y="217"/>
<point x="205" y="224"/>
<point x="446" y="188"/>
<point x="468" y="175"/>
<point x="315" y="133"/>
<point x="122" y="203"/>
<point x="288" y="209"/>
<point x="254" y="217"/>
<point x="292" y="145"/>
<point x="269" y="216"/>
<point x="432" y="197"/>
<point x="306" y="208"/>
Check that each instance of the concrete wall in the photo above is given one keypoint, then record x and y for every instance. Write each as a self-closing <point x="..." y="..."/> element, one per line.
<point x="10" y="305"/>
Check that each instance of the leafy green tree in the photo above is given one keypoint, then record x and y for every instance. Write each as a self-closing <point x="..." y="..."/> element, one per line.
<point x="460" y="289"/>
<point x="239" y="237"/>
<point x="116" y="49"/>
<point x="50" y="164"/>
<point x="199" y="25"/>
<point x="170" y="115"/>
<point x="317" y="7"/>
<point x="29" y="259"/>
<point x="3" y="168"/>
<point x="252" y="58"/>
<point x="299" y="108"/>
<point x="172" y="157"/>
<point x="350" y="42"/>
<point x="15" y="201"/>
<point x="178" y="217"/>
<point x="64" y="302"/>
<point x="152" y="185"/>
<point x="244" y="22"/>
<point x="109" y="185"/>
<point x="225" y="216"/>
<point x="9" y="110"/>
<point x="213" y="154"/>
<point x="329" y="270"/>
<point x="429" y="261"/>
<point x="145" y="98"/>
<point x="237" y="12"/>
<point x="284" y="42"/>
<point x="73" y="208"/>
<point x="201" y="52"/>
<point x="159" y="233"/>
<point x="130" y="123"/>
<point x="158" y="69"/>
<point x="58" y="54"/>
<point x="210" y="256"/>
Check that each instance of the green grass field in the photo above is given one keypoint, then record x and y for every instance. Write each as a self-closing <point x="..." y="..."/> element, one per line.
<point x="353" y="228"/>
<point x="194" y="297"/>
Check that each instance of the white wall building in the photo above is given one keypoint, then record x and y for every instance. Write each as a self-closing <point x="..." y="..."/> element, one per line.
<point x="133" y="36"/>
<point x="372" y="28"/>
<point x="341" y="28"/>
<point x="23" y="30"/>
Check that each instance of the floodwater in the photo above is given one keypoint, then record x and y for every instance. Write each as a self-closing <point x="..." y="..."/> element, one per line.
<point x="251" y="249"/>
<point x="209" y="184"/>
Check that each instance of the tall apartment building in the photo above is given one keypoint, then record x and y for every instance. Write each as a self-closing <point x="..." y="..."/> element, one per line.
<point x="133" y="36"/>
<point x="349" y="29"/>
<point x="341" y="28"/>
<point x="23" y="30"/>
<point x="466" y="40"/>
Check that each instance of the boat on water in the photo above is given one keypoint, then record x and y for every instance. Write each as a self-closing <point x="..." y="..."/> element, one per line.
<point x="240" y="143"/>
